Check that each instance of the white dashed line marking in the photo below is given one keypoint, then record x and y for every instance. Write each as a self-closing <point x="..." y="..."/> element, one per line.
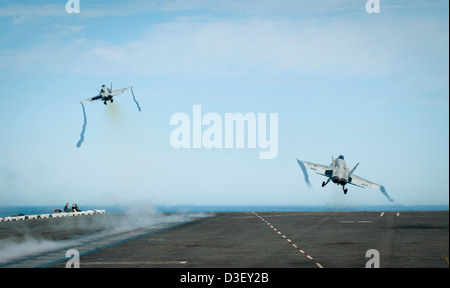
<point x="289" y="240"/>
<point x="382" y="214"/>
<point x="352" y="221"/>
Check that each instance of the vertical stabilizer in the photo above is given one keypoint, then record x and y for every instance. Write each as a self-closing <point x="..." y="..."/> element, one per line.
<point x="353" y="170"/>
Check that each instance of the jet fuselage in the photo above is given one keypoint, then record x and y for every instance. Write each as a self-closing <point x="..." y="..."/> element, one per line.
<point x="339" y="171"/>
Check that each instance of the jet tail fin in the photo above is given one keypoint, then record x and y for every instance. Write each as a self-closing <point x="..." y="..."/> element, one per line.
<point x="353" y="170"/>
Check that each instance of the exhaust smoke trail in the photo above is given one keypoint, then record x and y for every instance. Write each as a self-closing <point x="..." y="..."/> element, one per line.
<point x="134" y="98"/>
<point x="305" y="172"/>
<point x="84" y="128"/>
<point x="383" y="190"/>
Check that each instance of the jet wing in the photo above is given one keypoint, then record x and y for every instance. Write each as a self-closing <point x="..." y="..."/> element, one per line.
<point x="361" y="182"/>
<point x="320" y="169"/>
<point x="119" y="91"/>
<point x="93" y="99"/>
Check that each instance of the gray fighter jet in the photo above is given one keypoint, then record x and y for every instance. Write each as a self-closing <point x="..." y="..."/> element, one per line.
<point x="339" y="174"/>
<point x="106" y="94"/>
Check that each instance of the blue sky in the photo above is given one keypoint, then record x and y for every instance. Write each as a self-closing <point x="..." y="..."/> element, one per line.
<point x="373" y="87"/>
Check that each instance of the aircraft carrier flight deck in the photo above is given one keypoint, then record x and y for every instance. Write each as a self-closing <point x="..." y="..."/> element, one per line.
<point x="235" y="240"/>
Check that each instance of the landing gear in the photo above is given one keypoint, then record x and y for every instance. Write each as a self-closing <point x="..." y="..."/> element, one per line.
<point x="104" y="102"/>
<point x="112" y="100"/>
<point x="343" y="187"/>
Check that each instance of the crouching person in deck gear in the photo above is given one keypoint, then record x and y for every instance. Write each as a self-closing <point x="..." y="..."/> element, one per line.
<point x="73" y="209"/>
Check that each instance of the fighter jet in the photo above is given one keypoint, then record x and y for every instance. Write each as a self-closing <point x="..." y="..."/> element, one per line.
<point x="339" y="174"/>
<point x="106" y="94"/>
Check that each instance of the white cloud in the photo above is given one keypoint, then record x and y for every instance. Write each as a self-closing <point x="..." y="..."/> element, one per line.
<point x="252" y="45"/>
<point x="100" y="8"/>
<point x="28" y="10"/>
<point x="241" y="47"/>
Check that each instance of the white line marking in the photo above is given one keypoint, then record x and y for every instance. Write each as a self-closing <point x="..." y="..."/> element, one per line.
<point x="137" y="263"/>
<point x="290" y="241"/>
<point x="351" y="221"/>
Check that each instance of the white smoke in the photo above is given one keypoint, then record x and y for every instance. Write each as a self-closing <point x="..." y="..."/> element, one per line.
<point x="29" y="242"/>
<point x="16" y="248"/>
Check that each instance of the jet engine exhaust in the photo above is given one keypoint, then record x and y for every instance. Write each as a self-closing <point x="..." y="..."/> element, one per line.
<point x="134" y="98"/>
<point x="84" y="128"/>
